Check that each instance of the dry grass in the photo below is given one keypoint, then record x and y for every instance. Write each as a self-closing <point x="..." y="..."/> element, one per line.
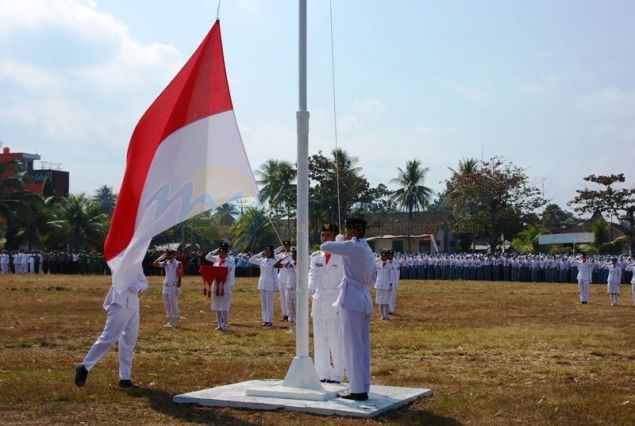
<point x="493" y="353"/>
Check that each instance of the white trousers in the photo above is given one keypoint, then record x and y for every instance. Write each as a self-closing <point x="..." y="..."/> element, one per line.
<point x="266" y="305"/>
<point x="583" y="285"/>
<point x="327" y="348"/>
<point x="122" y="326"/>
<point x="356" y="338"/>
<point x="171" y="302"/>
<point x="392" y="306"/>
<point x="282" y="289"/>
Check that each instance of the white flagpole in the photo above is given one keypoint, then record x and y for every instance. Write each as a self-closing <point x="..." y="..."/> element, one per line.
<point x="302" y="218"/>
<point x="302" y="373"/>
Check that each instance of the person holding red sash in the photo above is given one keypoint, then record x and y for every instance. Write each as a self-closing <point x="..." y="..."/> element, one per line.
<point x="224" y="273"/>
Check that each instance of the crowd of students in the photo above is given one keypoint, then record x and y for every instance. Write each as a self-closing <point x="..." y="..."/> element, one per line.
<point x="555" y="268"/>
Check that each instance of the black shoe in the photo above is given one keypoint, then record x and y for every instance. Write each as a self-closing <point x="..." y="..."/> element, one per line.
<point x="128" y="384"/>
<point x="80" y="375"/>
<point x="363" y="396"/>
<point x="337" y="382"/>
<point x="285" y="318"/>
<point x="584" y="303"/>
<point x="268" y="324"/>
<point x="324" y="381"/>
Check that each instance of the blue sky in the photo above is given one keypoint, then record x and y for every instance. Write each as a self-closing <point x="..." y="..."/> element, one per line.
<point x="547" y="85"/>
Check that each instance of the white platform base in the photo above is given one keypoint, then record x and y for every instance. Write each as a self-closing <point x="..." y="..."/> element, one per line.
<point x="250" y="395"/>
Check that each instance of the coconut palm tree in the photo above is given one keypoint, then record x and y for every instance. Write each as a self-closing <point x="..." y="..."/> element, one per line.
<point x="106" y="199"/>
<point x="412" y="194"/>
<point x="16" y="204"/>
<point x="466" y="165"/>
<point x="224" y="214"/>
<point x="84" y="222"/>
<point x="254" y="230"/>
<point x="339" y="185"/>
<point x="277" y="188"/>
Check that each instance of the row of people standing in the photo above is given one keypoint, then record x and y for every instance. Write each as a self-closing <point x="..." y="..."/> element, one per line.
<point x="500" y="267"/>
<point x="51" y="262"/>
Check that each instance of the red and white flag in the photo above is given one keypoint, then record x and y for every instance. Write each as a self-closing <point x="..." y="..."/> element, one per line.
<point x="185" y="157"/>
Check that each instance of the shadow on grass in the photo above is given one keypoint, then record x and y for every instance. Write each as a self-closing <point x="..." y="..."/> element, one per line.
<point x="161" y="401"/>
<point x="409" y="416"/>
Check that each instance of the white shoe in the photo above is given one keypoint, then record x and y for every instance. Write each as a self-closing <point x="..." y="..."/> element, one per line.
<point x="168" y="325"/>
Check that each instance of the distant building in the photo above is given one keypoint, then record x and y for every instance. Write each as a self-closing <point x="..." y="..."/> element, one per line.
<point x="35" y="177"/>
<point x="427" y="232"/>
<point x="581" y="233"/>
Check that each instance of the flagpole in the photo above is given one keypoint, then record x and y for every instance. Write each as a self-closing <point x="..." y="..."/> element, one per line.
<point x="302" y="373"/>
<point x="302" y="218"/>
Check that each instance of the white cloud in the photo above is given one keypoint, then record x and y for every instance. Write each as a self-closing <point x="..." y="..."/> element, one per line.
<point x="31" y="77"/>
<point x="609" y="103"/>
<point x="473" y="94"/>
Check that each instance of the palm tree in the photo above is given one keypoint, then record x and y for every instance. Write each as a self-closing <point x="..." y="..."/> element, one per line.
<point x="276" y="182"/>
<point x="277" y="189"/>
<point x="16" y="204"/>
<point x="254" y="230"/>
<point x="412" y="195"/>
<point x="224" y="214"/>
<point x="466" y="165"/>
<point x="84" y="222"/>
<point x="106" y="199"/>
<point x="38" y="222"/>
<point x="339" y="185"/>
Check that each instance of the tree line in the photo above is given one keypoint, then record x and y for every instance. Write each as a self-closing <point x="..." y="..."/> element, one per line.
<point x="488" y="201"/>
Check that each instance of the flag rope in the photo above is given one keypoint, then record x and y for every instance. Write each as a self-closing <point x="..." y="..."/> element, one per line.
<point x="337" y="165"/>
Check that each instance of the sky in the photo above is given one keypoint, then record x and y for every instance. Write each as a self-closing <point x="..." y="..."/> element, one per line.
<point x="548" y="86"/>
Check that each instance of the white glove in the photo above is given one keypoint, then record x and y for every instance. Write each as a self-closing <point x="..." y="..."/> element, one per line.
<point x="340" y="238"/>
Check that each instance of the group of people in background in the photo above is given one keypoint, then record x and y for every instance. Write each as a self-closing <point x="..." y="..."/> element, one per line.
<point x="52" y="262"/>
<point x="341" y="274"/>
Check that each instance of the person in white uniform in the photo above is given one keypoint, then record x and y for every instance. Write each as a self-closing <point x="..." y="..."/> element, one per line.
<point x="222" y="291"/>
<point x="290" y="287"/>
<point x="383" y="285"/>
<point x="613" y="280"/>
<point x="356" y="306"/>
<point x="325" y="275"/>
<point x="585" y="274"/>
<point x="4" y="262"/>
<point x="395" y="270"/>
<point x="630" y="266"/>
<point x="171" y="285"/>
<point x="122" y="326"/>
<point x="267" y="282"/>
<point x="283" y="257"/>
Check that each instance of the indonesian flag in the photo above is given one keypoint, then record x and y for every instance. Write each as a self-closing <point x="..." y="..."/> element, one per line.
<point x="185" y="157"/>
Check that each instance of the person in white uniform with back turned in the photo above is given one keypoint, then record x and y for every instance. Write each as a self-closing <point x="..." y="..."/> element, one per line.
<point x="326" y="271"/>
<point x="122" y="326"/>
<point x="356" y="306"/>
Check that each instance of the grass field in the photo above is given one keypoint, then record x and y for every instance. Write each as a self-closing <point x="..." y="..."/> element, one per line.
<point x="493" y="354"/>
